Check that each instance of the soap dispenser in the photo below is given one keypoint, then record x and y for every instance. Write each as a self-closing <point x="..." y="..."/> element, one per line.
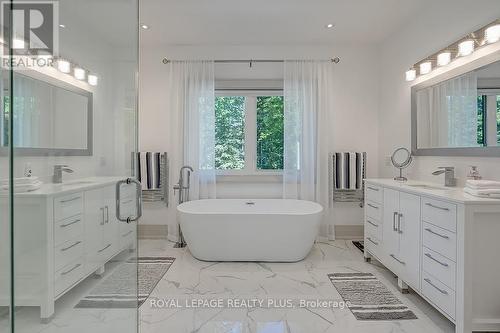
<point x="474" y="173"/>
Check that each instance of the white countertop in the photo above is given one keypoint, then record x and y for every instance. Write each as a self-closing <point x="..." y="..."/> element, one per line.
<point x="455" y="194"/>
<point x="69" y="187"/>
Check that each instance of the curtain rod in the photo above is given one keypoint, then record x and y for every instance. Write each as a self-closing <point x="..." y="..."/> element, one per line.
<point x="335" y="60"/>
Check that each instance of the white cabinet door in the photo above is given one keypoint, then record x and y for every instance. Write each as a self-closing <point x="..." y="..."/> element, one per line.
<point x="409" y="233"/>
<point x="95" y="216"/>
<point x="391" y="236"/>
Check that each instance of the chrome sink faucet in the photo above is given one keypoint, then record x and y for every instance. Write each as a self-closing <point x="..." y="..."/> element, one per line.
<point x="58" y="170"/>
<point x="449" y="175"/>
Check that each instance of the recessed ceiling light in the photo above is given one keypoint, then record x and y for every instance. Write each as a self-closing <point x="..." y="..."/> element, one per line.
<point x="62" y="26"/>
<point x="145" y="26"/>
<point x="330" y="25"/>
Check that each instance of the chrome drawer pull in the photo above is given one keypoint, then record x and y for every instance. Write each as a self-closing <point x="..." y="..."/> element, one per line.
<point x="128" y="233"/>
<point x="127" y="202"/>
<point x="444" y="292"/>
<point x="437" y="234"/>
<point x="71" y="246"/>
<point x="371" y="240"/>
<point x="71" y="270"/>
<point x="437" y="207"/>
<point x="105" y="248"/>
<point x="373" y="188"/>
<point x="428" y="255"/>
<point x="68" y="224"/>
<point x="394" y="257"/>
<point x="373" y="224"/>
<point x="394" y="226"/>
<point x="70" y="200"/>
<point x="372" y="206"/>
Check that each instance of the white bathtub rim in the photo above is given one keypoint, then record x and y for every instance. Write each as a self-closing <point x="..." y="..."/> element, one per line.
<point x="180" y="208"/>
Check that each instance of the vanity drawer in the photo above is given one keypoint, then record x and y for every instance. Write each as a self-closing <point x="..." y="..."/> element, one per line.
<point x="440" y="240"/>
<point x="69" y="275"/>
<point x="438" y="293"/>
<point x="440" y="213"/>
<point x="68" y="206"/>
<point x="127" y="235"/>
<point x="68" y="252"/>
<point x="374" y="210"/>
<point x="373" y="227"/>
<point x="374" y="193"/>
<point x="68" y="229"/>
<point x="373" y="245"/>
<point x="441" y="267"/>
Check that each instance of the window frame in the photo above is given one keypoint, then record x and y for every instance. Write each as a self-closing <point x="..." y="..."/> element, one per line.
<point x="490" y="116"/>
<point x="250" y="147"/>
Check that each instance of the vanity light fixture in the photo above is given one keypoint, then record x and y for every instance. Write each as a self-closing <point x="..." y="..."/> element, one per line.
<point x="64" y="66"/>
<point x="330" y="25"/>
<point x="62" y="26"/>
<point x="411" y="75"/>
<point x="92" y="79"/>
<point x="462" y="47"/>
<point x="18" y="43"/>
<point x="444" y="58"/>
<point x="145" y="26"/>
<point x="465" y="48"/>
<point x="425" y="67"/>
<point x="492" y="34"/>
<point x="79" y="73"/>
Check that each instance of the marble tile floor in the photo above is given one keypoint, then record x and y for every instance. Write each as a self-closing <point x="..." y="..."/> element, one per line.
<point x="170" y="307"/>
<point x="218" y="287"/>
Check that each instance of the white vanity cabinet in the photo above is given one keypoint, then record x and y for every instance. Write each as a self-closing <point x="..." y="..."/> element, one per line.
<point x="63" y="234"/>
<point x="401" y="226"/>
<point x="442" y="243"/>
<point x="101" y="226"/>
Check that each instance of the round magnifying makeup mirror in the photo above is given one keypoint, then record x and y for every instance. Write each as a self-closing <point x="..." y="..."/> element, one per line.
<point x="401" y="159"/>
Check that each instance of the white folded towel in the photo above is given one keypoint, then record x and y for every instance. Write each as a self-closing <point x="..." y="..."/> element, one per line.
<point x="482" y="184"/>
<point x="487" y="193"/>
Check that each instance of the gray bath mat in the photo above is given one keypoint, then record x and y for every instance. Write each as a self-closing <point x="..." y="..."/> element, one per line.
<point x="368" y="298"/>
<point x="118" y="290"/>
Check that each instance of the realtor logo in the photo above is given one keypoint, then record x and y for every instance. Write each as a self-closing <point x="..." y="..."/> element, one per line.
<point x="32" y="27"/>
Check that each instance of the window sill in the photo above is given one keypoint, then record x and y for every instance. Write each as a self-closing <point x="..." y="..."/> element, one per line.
<point x="252" y="177"/>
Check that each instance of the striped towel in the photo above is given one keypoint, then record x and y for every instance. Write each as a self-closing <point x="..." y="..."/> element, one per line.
<point x="149" y="170"/>
<point x="348" y="168"/>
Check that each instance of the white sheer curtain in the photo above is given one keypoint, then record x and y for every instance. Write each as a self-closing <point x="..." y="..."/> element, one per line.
<point x="308" y="105"/>
<point x="447" y="113"/>
<point x="191" y="99"/>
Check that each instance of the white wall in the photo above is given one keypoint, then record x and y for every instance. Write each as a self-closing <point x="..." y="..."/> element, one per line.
<point x="113" y="114"/>
<point x="440" y="24"/>
<point x="355" y="124"/>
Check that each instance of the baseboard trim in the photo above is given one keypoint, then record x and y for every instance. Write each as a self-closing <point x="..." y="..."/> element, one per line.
<point x="351" y="232"/>
<point x="152" y="231"/>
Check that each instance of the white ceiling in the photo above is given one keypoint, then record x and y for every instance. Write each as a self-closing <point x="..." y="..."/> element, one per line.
<point x="267" y="22"/>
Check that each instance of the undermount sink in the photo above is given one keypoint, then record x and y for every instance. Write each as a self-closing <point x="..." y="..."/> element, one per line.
<point x="428" y="187"/>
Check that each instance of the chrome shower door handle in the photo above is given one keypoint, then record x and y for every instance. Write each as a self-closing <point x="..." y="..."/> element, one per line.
<point x="138" y="200"/>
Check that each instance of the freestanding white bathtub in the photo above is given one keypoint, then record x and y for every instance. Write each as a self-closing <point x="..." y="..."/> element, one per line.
<point x="278" y="230"/>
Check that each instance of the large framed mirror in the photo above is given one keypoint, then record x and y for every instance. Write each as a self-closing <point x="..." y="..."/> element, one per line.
<point x="458" y="116"/>
<point x="51" y="117"/>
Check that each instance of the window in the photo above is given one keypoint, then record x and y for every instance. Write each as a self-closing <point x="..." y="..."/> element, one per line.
<point x="488" y="121"/>
<point x="249" y="133"/>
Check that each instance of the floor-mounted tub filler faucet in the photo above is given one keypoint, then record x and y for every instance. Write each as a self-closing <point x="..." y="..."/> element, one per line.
<point x="449" y="175"/>
<point x="58" y="170"/>
<point x="183" y="188"/>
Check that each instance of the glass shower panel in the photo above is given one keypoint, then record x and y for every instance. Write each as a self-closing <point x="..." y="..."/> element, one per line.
<point x="73" y="103"/>
<point x="5" y="201"/>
